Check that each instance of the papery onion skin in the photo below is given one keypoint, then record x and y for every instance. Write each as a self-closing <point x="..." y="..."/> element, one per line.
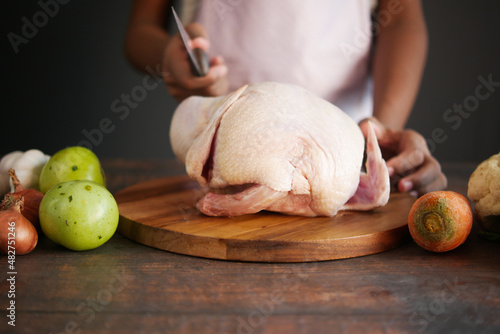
<point x="32" y="199"/>
<point x="15" y="227"/>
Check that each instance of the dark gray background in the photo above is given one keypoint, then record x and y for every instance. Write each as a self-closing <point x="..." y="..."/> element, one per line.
<point x="64" y="81"/>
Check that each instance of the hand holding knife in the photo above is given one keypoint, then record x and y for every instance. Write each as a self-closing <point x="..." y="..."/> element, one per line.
<point x="198" y="59"/>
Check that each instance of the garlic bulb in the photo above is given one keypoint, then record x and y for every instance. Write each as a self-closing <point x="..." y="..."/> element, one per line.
<point x="28" y="166"/>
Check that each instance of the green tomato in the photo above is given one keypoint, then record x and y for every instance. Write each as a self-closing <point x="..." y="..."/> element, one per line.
<point x="71" y="163"/>
<point x="79" y="215"/>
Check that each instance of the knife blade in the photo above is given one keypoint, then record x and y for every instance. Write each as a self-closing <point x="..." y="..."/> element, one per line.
<point x="198" y="59"/>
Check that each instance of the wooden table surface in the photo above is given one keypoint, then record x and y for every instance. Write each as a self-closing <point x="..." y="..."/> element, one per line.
<point x="125" y="287"/>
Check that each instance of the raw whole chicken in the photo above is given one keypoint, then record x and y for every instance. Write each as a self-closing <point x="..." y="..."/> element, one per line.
<point x="277" y="147"/>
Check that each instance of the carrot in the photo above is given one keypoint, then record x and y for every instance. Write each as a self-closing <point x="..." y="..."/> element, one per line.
<point x="440" y="221"/>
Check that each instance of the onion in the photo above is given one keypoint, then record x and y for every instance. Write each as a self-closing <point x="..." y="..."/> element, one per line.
<point x="16" y="232"/>
<point x="32" y="199"/>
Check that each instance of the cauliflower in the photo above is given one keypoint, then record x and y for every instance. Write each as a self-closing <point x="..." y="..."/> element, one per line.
<point x="484" y="187"/>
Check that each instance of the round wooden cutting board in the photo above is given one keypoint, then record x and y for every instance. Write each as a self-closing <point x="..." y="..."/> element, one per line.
<point x="162" y="214"/>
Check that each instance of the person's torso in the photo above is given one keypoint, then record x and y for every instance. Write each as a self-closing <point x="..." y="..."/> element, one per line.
<point x="322" y="45"/>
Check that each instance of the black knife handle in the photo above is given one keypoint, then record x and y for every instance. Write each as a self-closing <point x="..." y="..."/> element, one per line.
<point x="203" y="63"/>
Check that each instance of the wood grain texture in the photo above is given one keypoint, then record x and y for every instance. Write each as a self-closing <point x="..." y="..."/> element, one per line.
<point x="162" y="214"/>
<point x="128" y="288"/>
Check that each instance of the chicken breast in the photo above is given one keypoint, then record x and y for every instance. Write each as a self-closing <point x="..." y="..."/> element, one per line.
<point x="280" y="148"/>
